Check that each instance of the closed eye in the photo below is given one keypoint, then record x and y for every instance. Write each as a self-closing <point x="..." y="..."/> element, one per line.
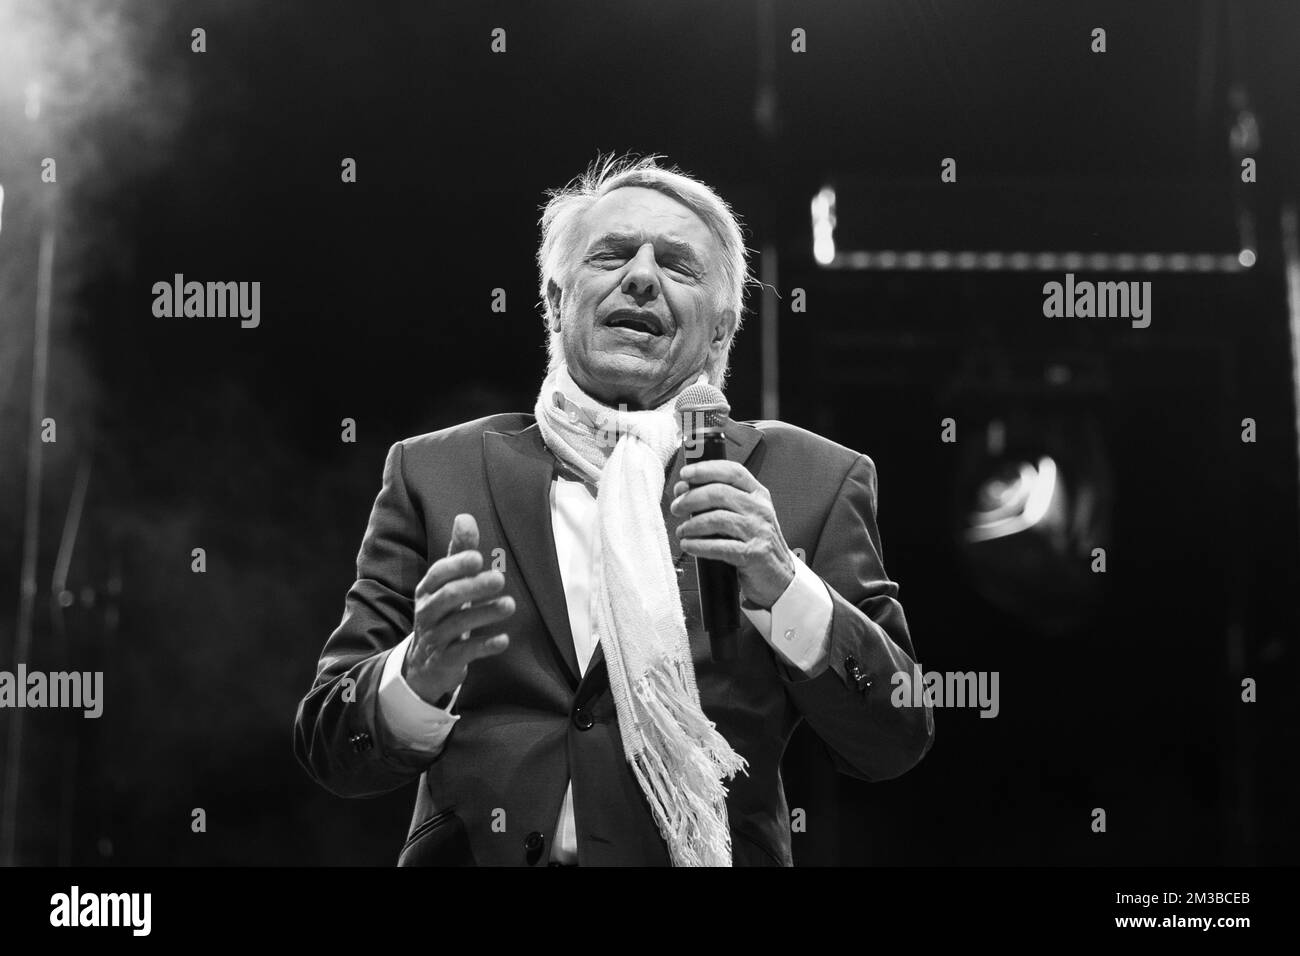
<point x="613" y="257"/>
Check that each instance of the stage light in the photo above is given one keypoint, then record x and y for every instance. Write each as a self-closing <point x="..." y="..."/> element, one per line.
<point x="968" y="260"/>
<point x="828" y="256"/>
<point x="1009" y="505"/>
<point x="1033" y="502"/>
<point x="823" y="223"/>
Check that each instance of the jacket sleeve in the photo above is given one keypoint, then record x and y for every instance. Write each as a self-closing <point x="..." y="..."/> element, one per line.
<point x="848" y="704"/>
<point x="339" y="735"/>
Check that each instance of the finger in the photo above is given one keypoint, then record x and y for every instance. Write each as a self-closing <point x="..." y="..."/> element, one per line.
<point x="726" y="524"/>
<point x="464" y="534"/>
<point x="448" y="569"/>
<point x="471" y="618"/>
<point x="431" y="609"/>
<point x="727" y="550"/>
<point x="474" y="648"/>
<point x="727" y="472"/>
<point x="708" y="497"/>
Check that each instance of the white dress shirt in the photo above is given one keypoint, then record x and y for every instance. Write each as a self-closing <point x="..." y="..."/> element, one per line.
<point x="800" y="618"/>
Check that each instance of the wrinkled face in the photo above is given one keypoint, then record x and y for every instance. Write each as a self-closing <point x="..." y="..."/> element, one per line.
<point x="639" y="318"/>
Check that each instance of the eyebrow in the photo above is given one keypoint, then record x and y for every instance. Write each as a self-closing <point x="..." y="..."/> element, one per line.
<point x="678" y="247"/>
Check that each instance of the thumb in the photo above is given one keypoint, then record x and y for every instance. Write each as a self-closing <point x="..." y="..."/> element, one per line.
<point x="464" y="534"/>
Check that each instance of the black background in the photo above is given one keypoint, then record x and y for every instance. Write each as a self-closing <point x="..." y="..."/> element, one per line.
<point x="376" y="306"/>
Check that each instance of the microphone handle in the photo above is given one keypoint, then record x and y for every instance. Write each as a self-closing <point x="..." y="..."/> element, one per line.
<point x="719" y="588"/>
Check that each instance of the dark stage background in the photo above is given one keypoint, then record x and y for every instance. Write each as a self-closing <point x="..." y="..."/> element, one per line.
<point x="376" y="306"/>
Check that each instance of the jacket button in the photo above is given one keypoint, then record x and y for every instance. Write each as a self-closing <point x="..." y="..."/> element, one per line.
<point x="583" y="719"/>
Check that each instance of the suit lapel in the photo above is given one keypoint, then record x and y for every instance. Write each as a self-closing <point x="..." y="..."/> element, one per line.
<point x="519" y="473"/>
<point x="742" y="439"/>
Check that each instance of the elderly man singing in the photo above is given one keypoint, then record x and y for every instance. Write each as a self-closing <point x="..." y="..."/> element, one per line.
<point x="525" y="632"/>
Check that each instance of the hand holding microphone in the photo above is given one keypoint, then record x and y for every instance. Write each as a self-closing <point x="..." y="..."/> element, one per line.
<point x="732" y="523"/>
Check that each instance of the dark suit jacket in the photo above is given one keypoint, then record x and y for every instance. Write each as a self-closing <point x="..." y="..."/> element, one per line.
<point x="529" y="721"/>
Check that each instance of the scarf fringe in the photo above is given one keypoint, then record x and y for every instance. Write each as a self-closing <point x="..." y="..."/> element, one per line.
<point x="681" y="769"/>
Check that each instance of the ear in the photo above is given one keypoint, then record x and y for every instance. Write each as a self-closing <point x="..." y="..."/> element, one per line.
<point x="724" y="328"/>
<point x="553" y="297"/>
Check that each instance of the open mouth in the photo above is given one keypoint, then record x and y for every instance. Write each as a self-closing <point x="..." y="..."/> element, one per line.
<point x="635" y="321"/>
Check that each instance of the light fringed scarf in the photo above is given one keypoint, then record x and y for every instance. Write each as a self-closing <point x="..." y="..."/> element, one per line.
<point x="679" y="758"/>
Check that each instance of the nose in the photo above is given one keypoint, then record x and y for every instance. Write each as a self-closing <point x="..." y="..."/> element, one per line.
<point x="641" y="282"/>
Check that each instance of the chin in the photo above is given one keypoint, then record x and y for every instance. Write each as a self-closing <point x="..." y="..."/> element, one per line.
<point x="624" y="374"/>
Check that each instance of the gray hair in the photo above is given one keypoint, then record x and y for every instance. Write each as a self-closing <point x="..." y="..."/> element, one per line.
<point x="562" y="215"/>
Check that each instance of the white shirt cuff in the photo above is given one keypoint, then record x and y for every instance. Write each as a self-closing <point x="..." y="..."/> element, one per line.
<point x="412" y="721"/>
<point x="799" y="624"/>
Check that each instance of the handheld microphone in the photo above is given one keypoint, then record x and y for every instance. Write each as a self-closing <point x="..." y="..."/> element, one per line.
<point x="704" y="412"/>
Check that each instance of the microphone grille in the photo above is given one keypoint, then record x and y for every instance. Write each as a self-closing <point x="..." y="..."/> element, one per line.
<point x="704" y="403"/>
